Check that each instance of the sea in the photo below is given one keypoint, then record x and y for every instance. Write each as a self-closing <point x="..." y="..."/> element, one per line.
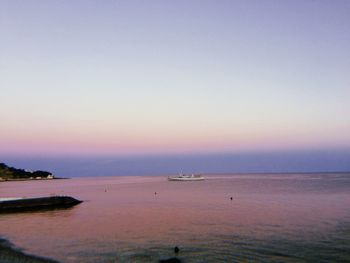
<point x="269" y="217"/>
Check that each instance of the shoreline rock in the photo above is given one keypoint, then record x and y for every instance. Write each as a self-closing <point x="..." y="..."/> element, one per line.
<point x="10" y="254"/>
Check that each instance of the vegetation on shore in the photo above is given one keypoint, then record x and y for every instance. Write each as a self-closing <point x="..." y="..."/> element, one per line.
<point x="11" y="173"/>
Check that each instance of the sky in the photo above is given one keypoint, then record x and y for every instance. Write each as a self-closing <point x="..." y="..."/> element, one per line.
<point x="172" y="77"/>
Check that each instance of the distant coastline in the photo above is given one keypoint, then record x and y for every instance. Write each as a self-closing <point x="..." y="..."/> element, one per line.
<point x="8" y="173"/>
<point x="32" y="179"/>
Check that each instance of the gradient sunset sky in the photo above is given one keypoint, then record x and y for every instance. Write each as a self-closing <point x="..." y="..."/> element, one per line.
<point x="149" y="77"/>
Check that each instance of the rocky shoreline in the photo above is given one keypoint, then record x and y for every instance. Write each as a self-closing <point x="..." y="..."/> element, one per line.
<point x="10" y="254"/>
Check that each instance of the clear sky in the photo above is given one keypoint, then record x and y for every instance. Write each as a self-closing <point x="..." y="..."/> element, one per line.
<point x="146" y="77"/>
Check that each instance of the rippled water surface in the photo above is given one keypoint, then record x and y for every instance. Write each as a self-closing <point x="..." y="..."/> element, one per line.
<point x="271" y="218"/>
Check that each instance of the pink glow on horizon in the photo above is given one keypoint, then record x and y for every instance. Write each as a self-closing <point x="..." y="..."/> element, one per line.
<point x="123" y="143"/>
<point x="137" y="136"/>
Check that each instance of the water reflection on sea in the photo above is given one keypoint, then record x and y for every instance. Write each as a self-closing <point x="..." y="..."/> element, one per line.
<point x="271" y="218"/>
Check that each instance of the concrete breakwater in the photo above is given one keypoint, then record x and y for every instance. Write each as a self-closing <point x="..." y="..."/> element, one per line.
<point x="38" y="203"/>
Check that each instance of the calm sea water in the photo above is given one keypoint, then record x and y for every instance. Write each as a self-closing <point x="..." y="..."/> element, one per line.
<point x="80" y="166"/>
<point x="272" y="218"/>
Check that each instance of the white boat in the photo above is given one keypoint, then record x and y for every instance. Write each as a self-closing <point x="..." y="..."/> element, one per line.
<point x="186" y="177"/>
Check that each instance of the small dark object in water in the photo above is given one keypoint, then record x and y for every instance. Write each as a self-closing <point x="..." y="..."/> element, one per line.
<point x="176" y="250"/>
<point x="170" y="260"/>
<point x="231" y="198"/>
<point x="155" y="193"/>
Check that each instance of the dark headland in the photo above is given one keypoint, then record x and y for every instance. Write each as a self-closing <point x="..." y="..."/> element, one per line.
<point x="8" y="173"/>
